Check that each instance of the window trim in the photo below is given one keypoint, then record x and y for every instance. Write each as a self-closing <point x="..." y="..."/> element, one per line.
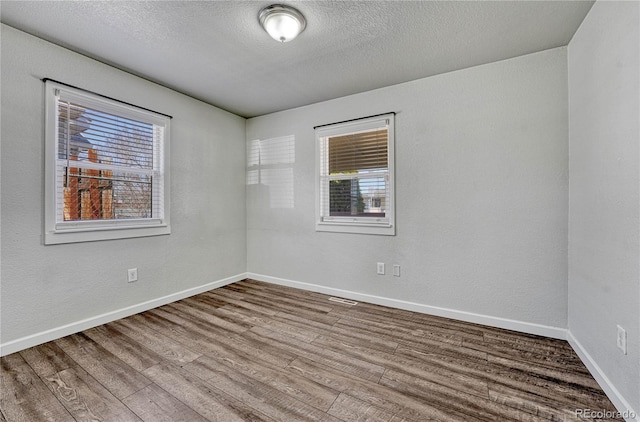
<point x="89" y="230"/>
<point x="349" y="224"/>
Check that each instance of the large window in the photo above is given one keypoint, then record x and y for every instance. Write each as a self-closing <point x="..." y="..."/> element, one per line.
<point x="355" y="176"/>
<point x="106" y="167"/>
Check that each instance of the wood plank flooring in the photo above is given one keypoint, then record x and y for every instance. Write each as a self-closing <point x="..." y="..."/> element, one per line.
<point x="253" y="351"/>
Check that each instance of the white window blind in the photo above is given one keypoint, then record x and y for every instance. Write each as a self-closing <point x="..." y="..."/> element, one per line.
<point x="108" y="164"/>
<point x="355" y="192"/>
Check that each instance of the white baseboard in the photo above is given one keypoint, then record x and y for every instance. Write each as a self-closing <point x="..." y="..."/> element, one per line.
<point x="55" y="333"/>
<point x="623" y="406"/>
<point x="508" y="324"/>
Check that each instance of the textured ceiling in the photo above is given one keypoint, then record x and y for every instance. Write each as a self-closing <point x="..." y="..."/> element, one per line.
<point x="217" y="52"/>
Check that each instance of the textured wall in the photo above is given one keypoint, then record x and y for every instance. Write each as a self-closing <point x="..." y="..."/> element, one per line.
<point x="481" y="170"/>
<point x="604" y="251"/>
<point x="47" y="287"/>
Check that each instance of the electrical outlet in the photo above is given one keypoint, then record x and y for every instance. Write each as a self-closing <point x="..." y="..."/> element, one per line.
<point x="381" y="268"/>
<point x="621" y="339"/>
<point x="396" y="270"/>
<point x="132" y="274"/>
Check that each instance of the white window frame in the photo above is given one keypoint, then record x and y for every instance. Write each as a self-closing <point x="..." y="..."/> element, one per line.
<point x="57" y="231"/>
<point x="360" y="225"/>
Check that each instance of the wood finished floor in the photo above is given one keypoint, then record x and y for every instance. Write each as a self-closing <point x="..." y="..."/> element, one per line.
<point x="258" y="352"/>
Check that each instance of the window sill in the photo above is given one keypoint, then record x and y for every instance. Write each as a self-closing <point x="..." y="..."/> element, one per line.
<point x="57" y="237"/>
<point x="356" y="228"/>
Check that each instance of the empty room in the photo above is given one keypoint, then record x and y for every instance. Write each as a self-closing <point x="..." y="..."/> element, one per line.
<point x="320" y="210"/>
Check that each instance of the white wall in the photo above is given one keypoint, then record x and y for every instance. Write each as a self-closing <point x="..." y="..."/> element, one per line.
<point x="604" y="251"/>
<point x="481" y="170"/>
<point x="46" y="287"/>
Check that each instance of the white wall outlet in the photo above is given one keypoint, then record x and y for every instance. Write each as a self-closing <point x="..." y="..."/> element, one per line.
<point x="396" y="270"/>
<point x="621" y="339"/>
<point x="381" y="268"/>
<point x="132" y="274"/>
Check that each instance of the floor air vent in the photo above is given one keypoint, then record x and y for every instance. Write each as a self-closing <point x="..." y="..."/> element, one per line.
<point x="341" y="300"/>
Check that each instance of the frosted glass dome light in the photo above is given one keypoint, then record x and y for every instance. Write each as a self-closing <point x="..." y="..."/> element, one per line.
<point x="282" y="22"/>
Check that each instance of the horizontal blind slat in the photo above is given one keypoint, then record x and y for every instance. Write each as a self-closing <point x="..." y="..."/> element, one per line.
<point x="115" y="139"/>
<point x="358" y="151"/>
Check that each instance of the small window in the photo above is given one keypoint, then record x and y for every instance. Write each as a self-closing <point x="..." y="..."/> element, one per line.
<point x="355" y="176"/>
<point x="105" y="168"/>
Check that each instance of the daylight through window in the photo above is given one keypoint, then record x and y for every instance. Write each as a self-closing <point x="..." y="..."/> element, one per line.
<point x="107" y="167"/>
<point x="355" y="176"/>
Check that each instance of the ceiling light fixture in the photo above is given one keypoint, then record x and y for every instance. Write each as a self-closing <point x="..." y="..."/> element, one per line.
<point x="283" y="23"/>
